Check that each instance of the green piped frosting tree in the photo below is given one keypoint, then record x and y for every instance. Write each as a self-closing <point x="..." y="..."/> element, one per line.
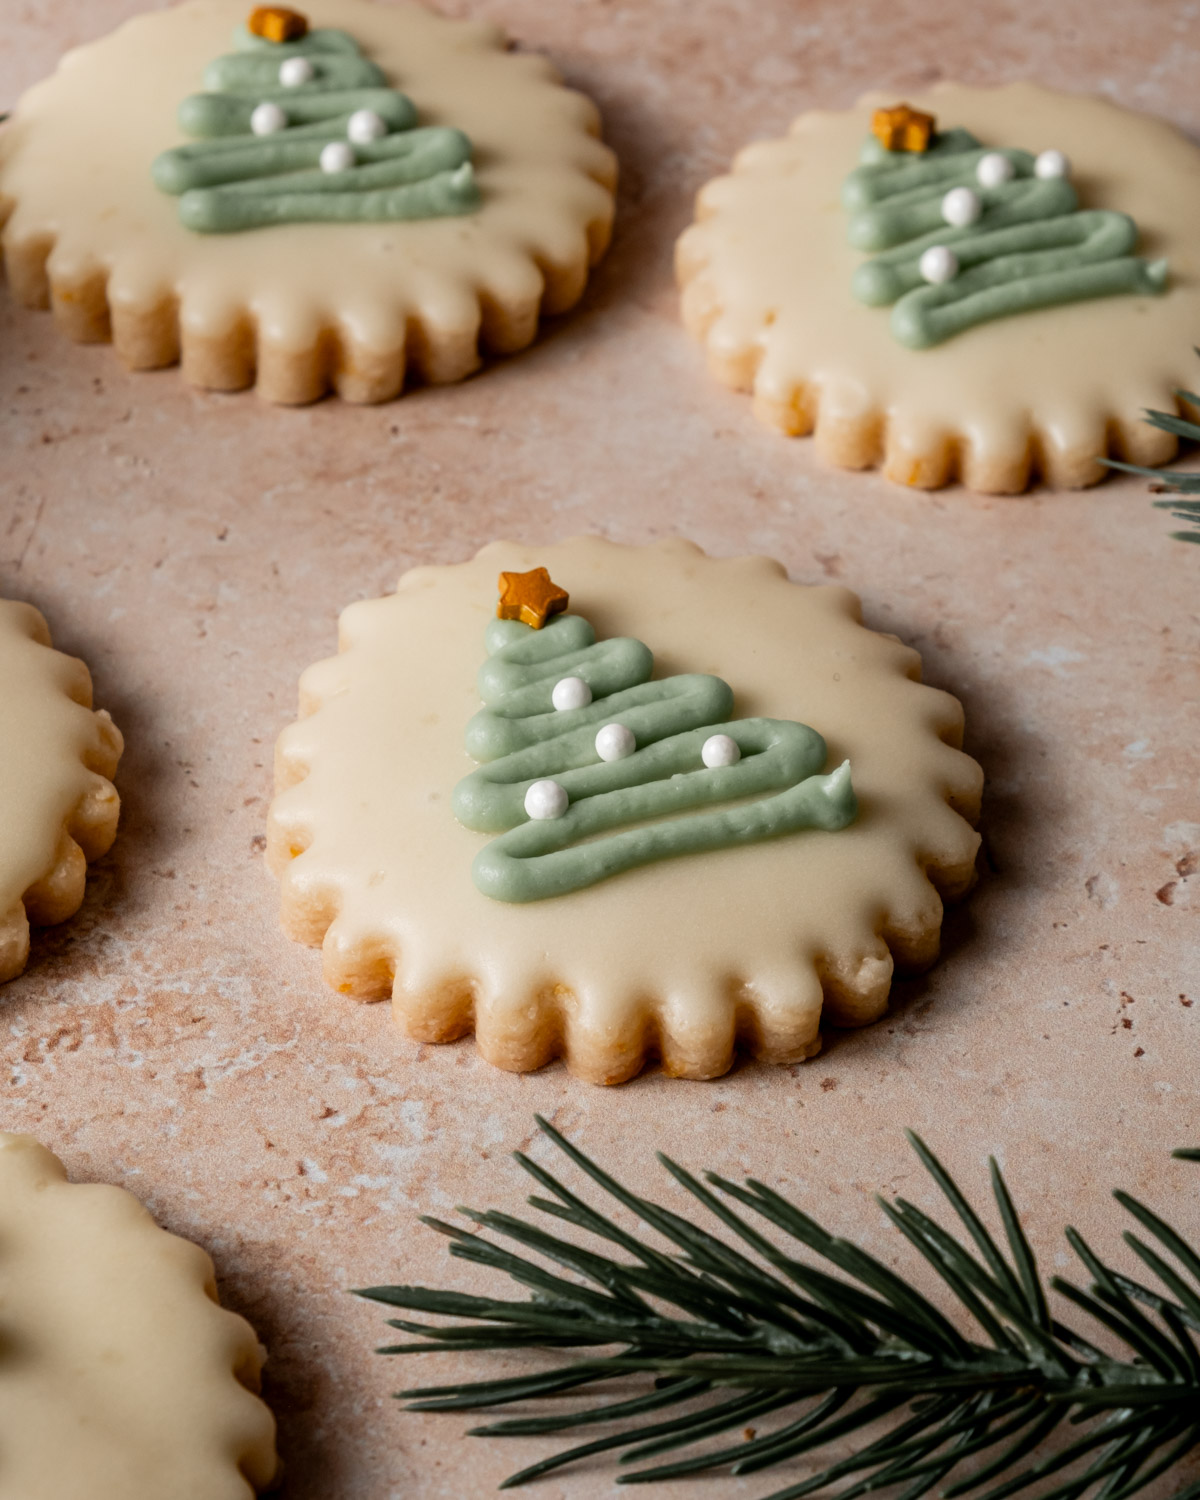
<point x="309" y="130"/>
<point x="675" y="749"/>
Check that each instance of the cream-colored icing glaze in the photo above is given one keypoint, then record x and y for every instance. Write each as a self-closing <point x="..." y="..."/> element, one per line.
<point x="121" y="1378"/>
<point x="769" y="255"/>
<point x="48" y="737"/>
<point x="382" y="748"/>
<point x="75" y="166"/>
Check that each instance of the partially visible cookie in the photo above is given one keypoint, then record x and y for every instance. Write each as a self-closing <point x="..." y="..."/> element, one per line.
<point x="58" y="806"/>
<point x="691" y="809"/>
<point x="121" y="1376"/>
<point x="1034" y="286"/>
<point x="342" y="199"/>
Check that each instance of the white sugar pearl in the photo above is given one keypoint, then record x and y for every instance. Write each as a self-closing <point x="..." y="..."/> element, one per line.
<point x="961" y="206"/>
<point x="615" y="742"/>
<point x="267" y="119"/>
<point x="720" y="750"/>
<point x="546" y="799"/>
<point x="993" y="169"/>
<point x="1051" y="164"/>
<point x="293" y="71"/>
<point x="337" y="157"/>
<point x="939" y="263"/>
<point x="571" y="692"/>
<point x="365" y="126"/>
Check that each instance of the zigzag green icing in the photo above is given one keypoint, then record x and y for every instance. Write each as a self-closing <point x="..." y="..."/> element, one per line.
<point x="1033" y="247"/>
<point x="231" y="179"/>
<point x="522" y="738"/>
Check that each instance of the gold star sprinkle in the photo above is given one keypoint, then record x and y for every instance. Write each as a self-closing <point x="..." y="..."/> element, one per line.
<point x="903" y="129"/>
<point x="275" y="23"/>
<point x="530" y="597"/>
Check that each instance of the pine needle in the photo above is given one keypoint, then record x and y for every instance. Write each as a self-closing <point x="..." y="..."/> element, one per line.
<point x="778" y="1316"/>
<point x="1173" y="482"/>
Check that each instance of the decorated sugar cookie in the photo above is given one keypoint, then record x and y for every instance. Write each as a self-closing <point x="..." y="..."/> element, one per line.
<point x="339" y="197"/>
<point x="991" y="286"/>
<point x="58" y="807"/>
<point x="122" y="1378"/>
<point x="611" y="803"/>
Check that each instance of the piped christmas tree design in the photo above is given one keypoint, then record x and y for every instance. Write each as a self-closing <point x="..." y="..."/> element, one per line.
<point x="966" y="234"/>
<point x="306" y="129"/>
<point x="590" y="767"/>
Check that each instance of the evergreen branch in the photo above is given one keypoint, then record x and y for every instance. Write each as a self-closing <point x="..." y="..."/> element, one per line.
<point x="1172" y="481"/>
<point x="824" y="1339"/>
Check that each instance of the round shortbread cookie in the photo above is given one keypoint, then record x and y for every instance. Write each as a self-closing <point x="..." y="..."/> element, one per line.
<point x="766" y="275"/>
<point x="121" y="1376"/>
<point x="302" y="307"/>
<point x="683" y="959"/>
<point x="58" y="807"/>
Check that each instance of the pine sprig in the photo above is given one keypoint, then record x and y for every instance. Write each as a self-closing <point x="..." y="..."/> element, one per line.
<point x="1173" y="482"/>
<point x="833" y="1340"/>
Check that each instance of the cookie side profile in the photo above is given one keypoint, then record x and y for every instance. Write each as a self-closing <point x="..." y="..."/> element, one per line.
<point x="121" y="1376"/>
<point x="58" y="806"/>
<point x="1080" y="238"/>
<point x="384" y="196"/>
<point x="728" y="934"/>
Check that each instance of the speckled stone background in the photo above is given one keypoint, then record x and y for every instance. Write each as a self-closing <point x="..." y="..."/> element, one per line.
<point x="196" y="550"/>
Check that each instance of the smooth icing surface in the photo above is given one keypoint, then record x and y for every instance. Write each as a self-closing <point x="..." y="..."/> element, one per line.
<point x="373" y="862"/>
<point x="1025" y="245"/>
<point x="75" y="165"/>
<point x="767" y="273"/>
<point x="641" y="793"/>
<point x="236" y="177"/>
<point x="120" y="1376"/>
<point x="49" y="741"/>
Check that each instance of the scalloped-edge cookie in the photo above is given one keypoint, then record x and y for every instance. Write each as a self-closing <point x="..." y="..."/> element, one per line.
<point x="58" y="806"/>
<point x="121" y="1376"/>
<point x="766" y="273"/>
<point x="301" y="308"/>
<point x="685" y="959"/>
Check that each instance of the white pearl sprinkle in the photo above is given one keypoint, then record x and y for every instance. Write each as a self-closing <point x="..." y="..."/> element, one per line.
<point x="546" y="799"/>
<point x="365" y="126"/>
<point x="615" y="742"/>
<point x="961" y="206"/>
<point x="938" y="264"/>
<point x="268" y="118"/>
<point x="293" y="71"/>
<point x="571" y="692"/>
<point x="1051" y="164"/>
<point x="993" y="169"/>
<point x="337" y="156"/>
<point x="720" y="750"/>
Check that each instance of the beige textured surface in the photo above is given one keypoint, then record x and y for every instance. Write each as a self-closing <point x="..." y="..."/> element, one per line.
<point x="302" y="307"/>
<point x="1045" y="393"/>
<point x="197" y="549"/>
<point x="123" y="1380"/>
<point x="673" y="959"/>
